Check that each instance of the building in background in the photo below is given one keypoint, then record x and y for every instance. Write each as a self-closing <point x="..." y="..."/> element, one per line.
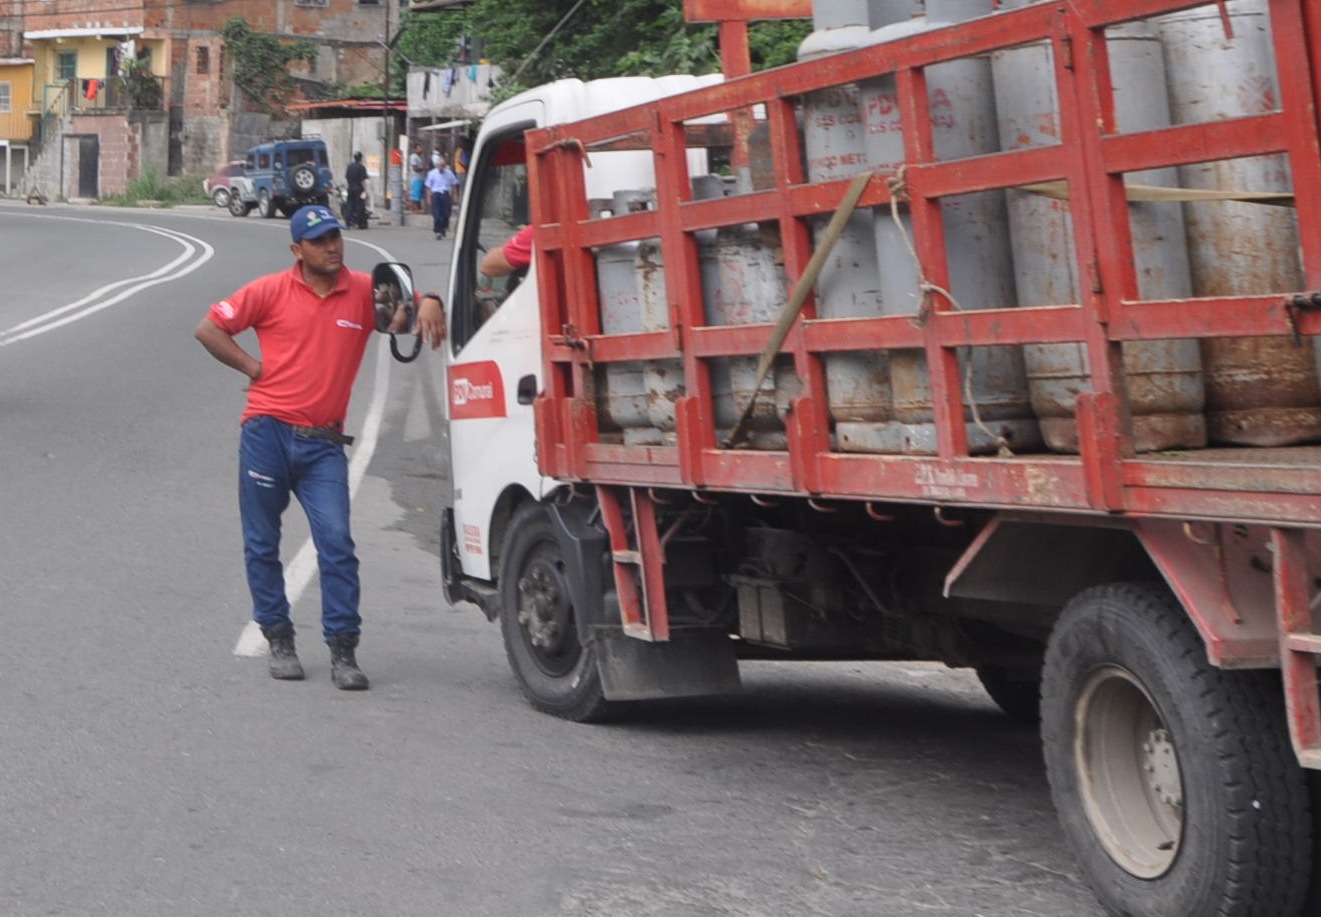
<point x="100" y="90"/>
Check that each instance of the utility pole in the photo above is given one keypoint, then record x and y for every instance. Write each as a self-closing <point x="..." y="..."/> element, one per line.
<point x="385" y="116"/>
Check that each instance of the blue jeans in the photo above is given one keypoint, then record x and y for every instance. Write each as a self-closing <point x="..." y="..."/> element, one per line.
<point x="273" y="463"/>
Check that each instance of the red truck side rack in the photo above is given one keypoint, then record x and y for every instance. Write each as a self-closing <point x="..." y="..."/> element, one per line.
<point x="1278" y="488"/>
<point x="1250" y="485"/>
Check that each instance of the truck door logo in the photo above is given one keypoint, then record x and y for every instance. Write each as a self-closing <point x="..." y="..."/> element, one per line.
<point x="476" y="391"/>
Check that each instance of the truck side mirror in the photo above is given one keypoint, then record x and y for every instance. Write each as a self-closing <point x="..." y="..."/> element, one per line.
<point x="392" y="286"/>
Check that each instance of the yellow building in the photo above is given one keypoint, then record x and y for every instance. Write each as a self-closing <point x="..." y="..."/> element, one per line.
<point x="18" y="117"/>
<point x="98" y="67"/>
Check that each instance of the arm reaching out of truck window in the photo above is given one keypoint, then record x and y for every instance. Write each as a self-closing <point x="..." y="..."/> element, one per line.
<point x="514" y="255"/>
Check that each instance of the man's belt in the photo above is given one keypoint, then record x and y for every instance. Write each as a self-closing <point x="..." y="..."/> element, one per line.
<point x="334" y="434"/>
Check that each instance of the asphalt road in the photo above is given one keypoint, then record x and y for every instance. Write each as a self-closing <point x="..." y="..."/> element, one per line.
<point x="148" y="770"/>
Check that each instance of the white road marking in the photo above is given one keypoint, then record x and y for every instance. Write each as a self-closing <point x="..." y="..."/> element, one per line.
<point x="196" y="253"/>
<point x="298" y="572"/>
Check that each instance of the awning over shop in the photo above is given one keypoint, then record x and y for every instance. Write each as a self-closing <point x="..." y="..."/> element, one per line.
<point x="91" y="31"/>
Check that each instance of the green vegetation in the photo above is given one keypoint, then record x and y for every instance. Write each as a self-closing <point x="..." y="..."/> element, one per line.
<point x="168" y="192"/>
<point x="260" y="62"/>
<point x="601" y="38"/>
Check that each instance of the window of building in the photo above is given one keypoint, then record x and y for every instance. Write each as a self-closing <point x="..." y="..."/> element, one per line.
<point x="311" y="2"/>
<point x="369" y="2"/>
<point x="66" y="65"/>
<point x="203" y="59"/>
<point x="6" y="97"/>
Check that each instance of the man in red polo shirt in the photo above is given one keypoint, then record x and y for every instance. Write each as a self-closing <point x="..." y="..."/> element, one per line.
<point x="312" y="324"/>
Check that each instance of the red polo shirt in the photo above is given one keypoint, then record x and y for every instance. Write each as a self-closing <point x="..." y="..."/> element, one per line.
<point x="311" y="347"/>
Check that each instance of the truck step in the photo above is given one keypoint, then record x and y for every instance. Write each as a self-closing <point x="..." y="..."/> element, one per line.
<point x="638" y="558"/>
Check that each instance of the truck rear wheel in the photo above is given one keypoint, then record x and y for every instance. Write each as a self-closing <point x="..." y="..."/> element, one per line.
<point x="1174" y="781"/>
<point x="555" y="671"/>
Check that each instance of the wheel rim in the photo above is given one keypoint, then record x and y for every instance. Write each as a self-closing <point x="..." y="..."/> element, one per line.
<point x="1128" y="773"/>
<point x="545" y="612"/>
<point x="221" y="197"/>
<point x="304" y="179"/>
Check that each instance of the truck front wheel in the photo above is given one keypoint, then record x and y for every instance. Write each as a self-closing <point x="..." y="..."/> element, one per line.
<point x="1174" y="780"/>
<point x="555" y="671"/>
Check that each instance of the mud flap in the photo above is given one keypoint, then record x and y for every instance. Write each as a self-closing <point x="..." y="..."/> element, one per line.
<point x="689" y="664"/>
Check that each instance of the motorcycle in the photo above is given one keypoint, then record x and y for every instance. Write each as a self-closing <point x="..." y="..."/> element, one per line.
<point x="365" y="212"/>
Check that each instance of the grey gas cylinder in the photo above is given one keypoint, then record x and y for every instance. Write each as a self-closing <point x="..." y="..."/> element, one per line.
<point x="1162" y="378"/>
<point x="980" y="262"/>
<point x="622" y="403"/>
<point x="743" y="283"/>
<point x="1260" y="391"/>
<point x="857" y="383"/>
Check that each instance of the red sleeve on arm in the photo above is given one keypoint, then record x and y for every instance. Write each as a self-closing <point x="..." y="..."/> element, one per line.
<point x="244" y="309"/>
<point x="518" y="250"/>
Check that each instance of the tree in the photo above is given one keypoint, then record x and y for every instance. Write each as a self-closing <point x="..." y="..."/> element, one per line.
<point x="600" y="38"/>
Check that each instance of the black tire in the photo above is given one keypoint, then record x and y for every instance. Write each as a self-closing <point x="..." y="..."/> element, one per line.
<point x="1019" y="698"/>
<point x="220" y="197"/>
<point x="237" y="207"/>
<point x="1174" y="781"/>
<point x="265" y="206"/>
<point x="556" y="673"/>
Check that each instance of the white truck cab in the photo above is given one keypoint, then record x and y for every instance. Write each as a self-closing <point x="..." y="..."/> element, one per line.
<point x="494" y="356"/>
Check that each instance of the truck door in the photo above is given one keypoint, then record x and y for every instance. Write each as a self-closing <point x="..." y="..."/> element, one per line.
<point x="495" y="358"/>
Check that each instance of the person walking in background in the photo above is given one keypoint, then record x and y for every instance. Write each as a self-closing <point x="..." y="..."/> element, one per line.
<point x="312" y="323"/>
<point x="441" y="182"/>
<point x="355" y="205"/>
<point x="461" y="164"/>
<point x="418" y="169"/>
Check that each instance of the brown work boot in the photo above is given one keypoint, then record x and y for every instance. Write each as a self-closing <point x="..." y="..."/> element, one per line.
<point x="284" y="662"/>
<point x="344" y="671"/>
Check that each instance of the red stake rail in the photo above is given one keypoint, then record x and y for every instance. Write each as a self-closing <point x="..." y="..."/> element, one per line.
<point x="1281" y="485"/>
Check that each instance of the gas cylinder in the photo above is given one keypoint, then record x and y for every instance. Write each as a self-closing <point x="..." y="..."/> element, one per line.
<point x="1162" y="378"/>
<point x="622" y="397"/>
<point x="976" y="240"/>
<point x="743" y="283"/>
<point x="663" y="380"/>
<point x="857" y="383"/>
<point x="1260" y="391"/>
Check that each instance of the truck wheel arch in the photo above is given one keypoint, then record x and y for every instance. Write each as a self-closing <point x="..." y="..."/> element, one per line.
<point x="502" y="515"/>
<point x="1028" y="560"/>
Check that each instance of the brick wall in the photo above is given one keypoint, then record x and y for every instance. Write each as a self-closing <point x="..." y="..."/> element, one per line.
<point x="128" y="145"/>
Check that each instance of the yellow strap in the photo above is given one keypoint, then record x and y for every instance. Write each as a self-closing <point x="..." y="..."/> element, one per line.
<point x="1060" y="191"/>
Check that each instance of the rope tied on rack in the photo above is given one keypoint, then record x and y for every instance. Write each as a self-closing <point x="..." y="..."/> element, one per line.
<point x="573" y="144"/>
<point x="898" y="186"/>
